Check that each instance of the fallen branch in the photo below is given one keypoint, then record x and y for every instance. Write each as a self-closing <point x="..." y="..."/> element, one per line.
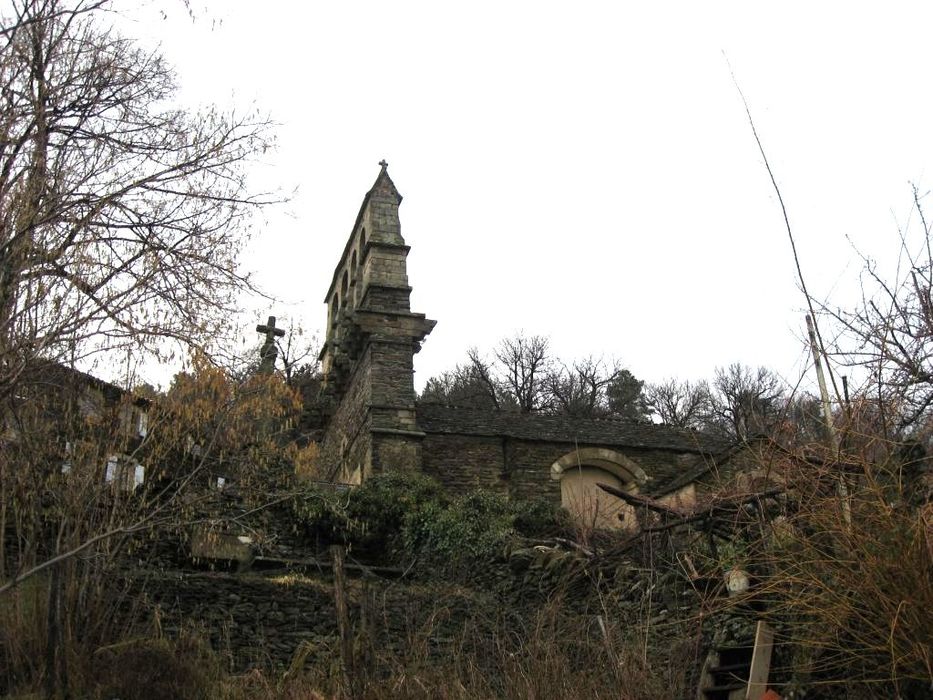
<point x="726" y="506"/>
<point x="643" y="501"/>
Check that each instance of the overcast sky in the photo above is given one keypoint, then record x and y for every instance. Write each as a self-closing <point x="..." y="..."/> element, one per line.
<point x="581" y="170"/>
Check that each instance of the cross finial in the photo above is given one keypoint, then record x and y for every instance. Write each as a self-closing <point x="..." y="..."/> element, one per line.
<point x="269" y="352"/>
<point x="384" y="164"/>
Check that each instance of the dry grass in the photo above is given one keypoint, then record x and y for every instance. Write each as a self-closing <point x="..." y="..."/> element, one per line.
<point x="555" y="656"/>
<point x="550" y="654"/>
<point x="846" y="577"/>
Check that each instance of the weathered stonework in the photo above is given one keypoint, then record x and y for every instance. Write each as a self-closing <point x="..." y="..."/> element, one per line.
<point x="517" y="454"/>
<point x="372" y="336"/>
<point x="376" y="425"/>
<point x="264" y="621"/>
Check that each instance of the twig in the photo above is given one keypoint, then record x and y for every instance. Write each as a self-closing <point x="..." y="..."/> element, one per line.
<point x="790" y="233"/>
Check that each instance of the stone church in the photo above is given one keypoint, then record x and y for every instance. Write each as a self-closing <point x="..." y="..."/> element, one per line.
<point x="377" y="424"/>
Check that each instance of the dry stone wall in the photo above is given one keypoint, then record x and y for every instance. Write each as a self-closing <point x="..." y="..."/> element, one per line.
<point x="463" y="462"/>
<point x="262" y="621"/>
<point x="258" y="621"/>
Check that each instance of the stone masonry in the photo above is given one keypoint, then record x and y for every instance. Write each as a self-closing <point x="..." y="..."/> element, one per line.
<point x="372" y="336"/>
<point x="375" y="423"/>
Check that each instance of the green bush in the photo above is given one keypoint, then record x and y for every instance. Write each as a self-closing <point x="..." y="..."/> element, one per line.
<point x="369" y="517"/>
<point x="409" y="515"/>
<point x="321" y="516"/>
<point x="473" y="527"/>
<point x="541" y="518"/>
<point x="379" y="509"/>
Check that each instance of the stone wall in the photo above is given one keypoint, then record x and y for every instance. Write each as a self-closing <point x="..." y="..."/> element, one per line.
<point x="392" y="381"/>
<point x="460" y="448"/>
<point x="262" y="621"/>
<point x="345" y="449"/>
<point x="386" y="298"/>
<point x="522" y="467"/>
<point x="371" y="339"/>
<point x="395" y="452"/>
<point x="464" y="462"/>
<point x="258" y="621"/>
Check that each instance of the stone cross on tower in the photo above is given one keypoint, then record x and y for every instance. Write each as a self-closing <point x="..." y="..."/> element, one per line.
<point x="269" y="352"/>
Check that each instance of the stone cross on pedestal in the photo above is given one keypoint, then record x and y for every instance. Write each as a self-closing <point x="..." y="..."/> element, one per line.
<point x="269" y="352"/>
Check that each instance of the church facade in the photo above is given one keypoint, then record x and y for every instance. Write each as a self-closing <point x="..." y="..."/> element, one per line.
<point x="376" y="424"/>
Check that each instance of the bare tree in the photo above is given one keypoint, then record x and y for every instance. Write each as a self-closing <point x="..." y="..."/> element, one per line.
<point x="515" y="379"/>
<point x="804" y="423"/>
<point x="523" y="363"/>
<point x="121" y="216"/>
<point x="582" y="388"/>
<point x="121" y="219"/>
<point x="745" y="401"/>
<point x="479" y="378"/>
<point x="469" y="385"/>
<point x="889" y="334"/>
<point x="682" y="404"/>
<point x="523" y="376"/>
<point x="298" y="355"/>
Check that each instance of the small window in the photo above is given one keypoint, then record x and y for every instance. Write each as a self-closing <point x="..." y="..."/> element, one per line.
<point x="123" y="473"/>
<point x="142" y="423"/>
<point x="221" y="482"/>
<point x="69" y="452"/>
<point x="113" y="468"/>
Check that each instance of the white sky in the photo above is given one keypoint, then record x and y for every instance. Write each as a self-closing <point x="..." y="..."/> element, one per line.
<point x="581" y="170"/>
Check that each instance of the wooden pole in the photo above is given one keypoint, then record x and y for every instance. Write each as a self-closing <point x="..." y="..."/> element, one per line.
<point x="824" y="394"/>
<point x="842" y="487"/>
<point x="56" y="680"/>
<point x="343" y="618"/>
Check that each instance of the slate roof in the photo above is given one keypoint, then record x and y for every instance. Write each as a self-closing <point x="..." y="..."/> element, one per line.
<point x="52" y="374"/>
<point x="436" y="418"/>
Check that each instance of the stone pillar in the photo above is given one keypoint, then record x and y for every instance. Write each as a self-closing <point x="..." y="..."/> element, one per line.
<point x="372" y="336"/>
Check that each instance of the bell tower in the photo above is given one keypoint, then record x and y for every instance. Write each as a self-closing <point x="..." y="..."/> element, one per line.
<point x="372" y="337"/>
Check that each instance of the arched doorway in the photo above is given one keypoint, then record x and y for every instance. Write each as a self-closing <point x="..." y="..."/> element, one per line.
<point x="580" y="472"/>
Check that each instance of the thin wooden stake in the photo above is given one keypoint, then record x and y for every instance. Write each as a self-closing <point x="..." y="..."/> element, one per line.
<point x="343" y="618"/>
<point x="842" y="486"/>
<point x="824" y="394"/>
<point x="761" y="662"/>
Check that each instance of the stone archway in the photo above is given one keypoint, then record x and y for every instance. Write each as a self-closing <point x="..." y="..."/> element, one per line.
<point x="580" y="471"/>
